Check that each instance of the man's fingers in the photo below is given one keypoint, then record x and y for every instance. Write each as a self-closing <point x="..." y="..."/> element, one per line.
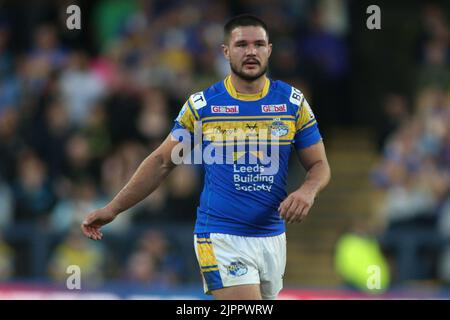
<point x="302" y="214"/>
<point x="284" y="206"/>
<point x="294" y="208"/>
<point x="91" y="232"/>
<point x="95" y="233"/>
<point x="281" y="209"/>
<point x="98" y="234"/>
<point x="290" y="215"/>
<point x="85" y="230"/>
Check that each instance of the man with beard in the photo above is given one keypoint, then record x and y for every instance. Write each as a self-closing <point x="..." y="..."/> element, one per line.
<point x="249" y="124"/>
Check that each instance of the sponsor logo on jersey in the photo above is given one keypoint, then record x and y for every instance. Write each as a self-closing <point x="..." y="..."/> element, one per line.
<point x="270" y="108"/>
<point x="237" y="269"/>
<point x="225" y="109"/>
<point x="198" y="99"/>
<point x="227" y="131"/>
<point x="251" y="130"/>
<point x="278" y="128"/>
<point x="296" y="96"/>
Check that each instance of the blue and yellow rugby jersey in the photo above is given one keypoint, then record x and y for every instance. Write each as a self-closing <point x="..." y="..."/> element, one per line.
<point x="242" y="192"/>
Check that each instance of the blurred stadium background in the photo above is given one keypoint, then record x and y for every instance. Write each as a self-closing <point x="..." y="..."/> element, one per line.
<point x="79" y="110"/>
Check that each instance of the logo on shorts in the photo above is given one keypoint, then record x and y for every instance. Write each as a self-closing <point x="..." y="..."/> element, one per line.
<point x="237" y="269"/>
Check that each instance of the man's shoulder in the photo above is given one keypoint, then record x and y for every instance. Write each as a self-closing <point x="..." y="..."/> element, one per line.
<point x="209" y="93"/>
<point x="288" y="91"/>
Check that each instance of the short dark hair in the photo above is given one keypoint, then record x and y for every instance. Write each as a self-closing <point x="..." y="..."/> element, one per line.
<point x="243" y="20"/>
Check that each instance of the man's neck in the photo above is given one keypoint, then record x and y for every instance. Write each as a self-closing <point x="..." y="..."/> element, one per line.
<point x="248" y="87"/>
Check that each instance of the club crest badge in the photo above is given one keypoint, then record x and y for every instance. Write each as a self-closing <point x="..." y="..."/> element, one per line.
<point x="236" y="269"/>
<point x="278" y="128"/>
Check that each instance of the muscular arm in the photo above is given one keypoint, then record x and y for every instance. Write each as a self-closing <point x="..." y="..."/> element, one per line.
<point x="314" y="160"/>
<point x="144" y="181"/>
<point x="297" y="205"/>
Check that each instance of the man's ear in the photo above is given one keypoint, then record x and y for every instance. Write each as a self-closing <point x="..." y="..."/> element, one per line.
<point x="226" y="51"/>
<point x="270" y="49"/>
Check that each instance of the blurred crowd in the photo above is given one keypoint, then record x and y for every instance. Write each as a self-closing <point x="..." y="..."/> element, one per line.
<point x="77" y="118"/>
<point x="414" y="170"/>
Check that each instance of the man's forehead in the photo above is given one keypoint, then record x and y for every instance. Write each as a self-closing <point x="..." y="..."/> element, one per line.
<point x="248" y="33"/>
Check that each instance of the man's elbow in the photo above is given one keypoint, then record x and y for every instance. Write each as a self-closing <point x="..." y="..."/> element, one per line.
<point x="164" y="162"/>
<point x="168" y="164"/>
<point x="325" y="171"/>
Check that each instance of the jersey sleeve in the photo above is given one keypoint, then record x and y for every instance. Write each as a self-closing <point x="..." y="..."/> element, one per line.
<point x="307" y="130"/>
<point x="185" y="120"/>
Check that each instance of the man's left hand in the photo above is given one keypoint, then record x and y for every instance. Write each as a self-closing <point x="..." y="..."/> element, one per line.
<point x="296" y="205"/>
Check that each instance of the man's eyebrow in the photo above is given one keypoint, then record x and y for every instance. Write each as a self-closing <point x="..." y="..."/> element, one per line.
<point x="245" y="41"/>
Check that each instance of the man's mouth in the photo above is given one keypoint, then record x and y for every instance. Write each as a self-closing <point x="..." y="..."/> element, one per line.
<point x="251" y="63"/>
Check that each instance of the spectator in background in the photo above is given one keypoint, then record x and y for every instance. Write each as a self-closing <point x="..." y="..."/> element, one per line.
<point x="434" y="71"/>
<point x="6" y="260"/>
<point x="184" y="186"/>
<point x="97" y="135"/>
<point x="396" y="113"/>
<point x="416" y="182"/>
<point x="155" y="208"/>
<point x="10" y="143"/>
<point x="153" y="121"/>
<point x="6" y="58"/>
<point x="81" y="88"/>
<point x="433" y="109"/>
<point x="69" y="212"/>
<point x="75" y="250"/>
<point x="78" y="158"/>
<point x="9" y="82"/>
<point x="434" y="48"/>
<point x="110" y="19"/>
<point x="51" y="138"/>
<point x="140" y="270"/>
<point x="444" y="213"/>
<point x="46" y="56"/>
<point x="122" y="108"/>
<point x="444" y="232"/>
<point x="432" y="170"/>
<point x="444" y="152"/>
<point x="33" y="194"/>
<point x="47" y="47"/>
<point x="167" y="267"/>
<point x="6" y="205"/>
<point x="357" y="252"/>
<point x="325" y="62"/>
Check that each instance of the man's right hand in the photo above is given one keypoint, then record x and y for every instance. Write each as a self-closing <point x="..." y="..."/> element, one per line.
<point x="94" y="221"/>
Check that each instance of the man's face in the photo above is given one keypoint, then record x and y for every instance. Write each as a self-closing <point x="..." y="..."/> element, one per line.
<point x="248" y="51"/>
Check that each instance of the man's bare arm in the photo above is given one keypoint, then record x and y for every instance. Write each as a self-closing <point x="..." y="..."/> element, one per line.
<point x="297" y="205"/>
<point x="149" y="175"/>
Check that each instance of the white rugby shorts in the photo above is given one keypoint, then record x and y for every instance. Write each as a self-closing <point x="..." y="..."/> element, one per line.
<point x="228" y="260"/>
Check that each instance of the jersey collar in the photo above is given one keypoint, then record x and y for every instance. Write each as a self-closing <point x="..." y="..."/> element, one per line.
<point x="246" y="96"/>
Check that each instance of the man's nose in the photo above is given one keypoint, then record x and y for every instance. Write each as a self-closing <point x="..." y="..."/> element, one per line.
<point x="251" y="50"/>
